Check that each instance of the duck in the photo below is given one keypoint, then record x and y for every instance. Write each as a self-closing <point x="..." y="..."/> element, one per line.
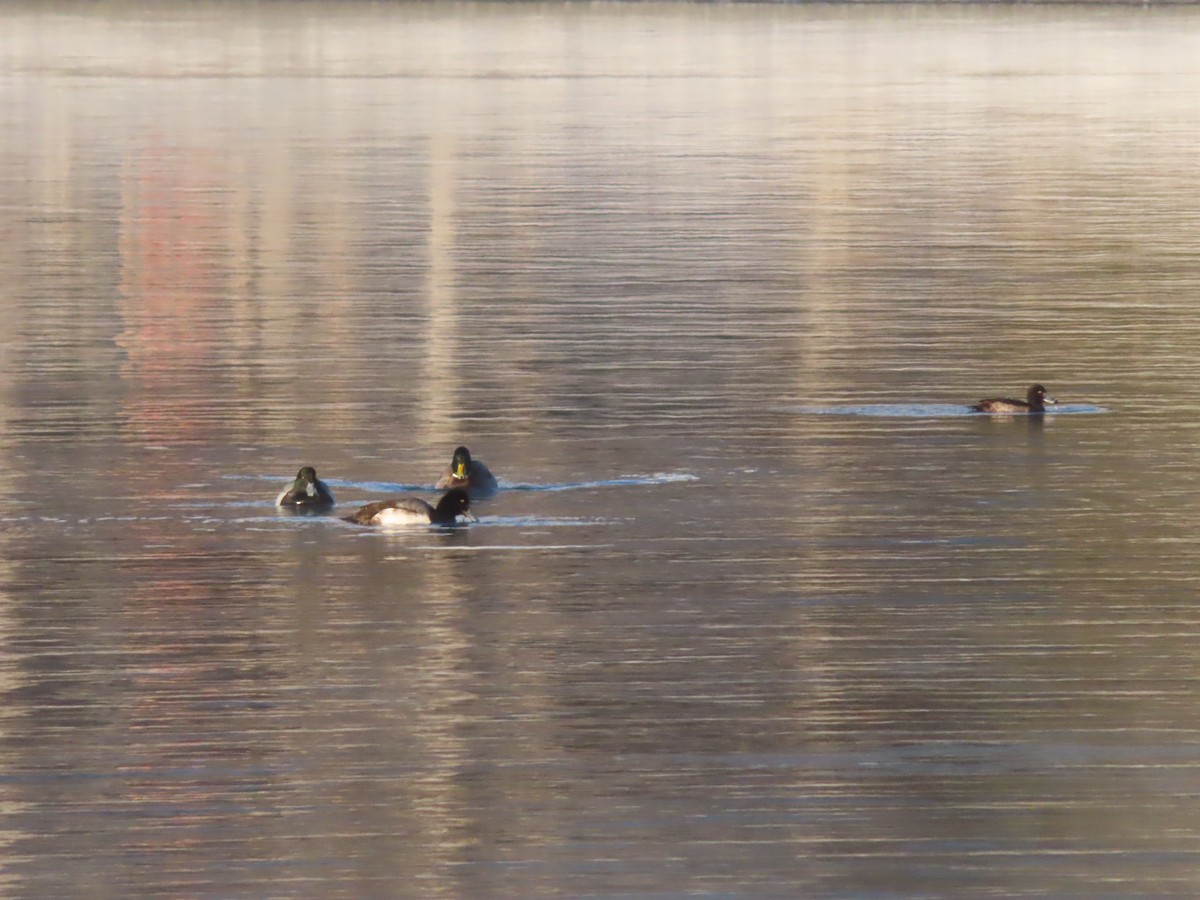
<point x="468" y="473"/>
<point x="307" y="491"/>
<point x="415" y="511"/>
<point x="1034" y="403"/>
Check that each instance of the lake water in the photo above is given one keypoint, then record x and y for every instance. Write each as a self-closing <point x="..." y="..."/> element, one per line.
<point x="762" y="611"/>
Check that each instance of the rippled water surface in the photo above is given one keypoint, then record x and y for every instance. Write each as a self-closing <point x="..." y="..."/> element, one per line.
<point x="761" y="610"/>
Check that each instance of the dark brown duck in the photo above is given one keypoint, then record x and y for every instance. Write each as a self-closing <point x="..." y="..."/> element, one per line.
<point x="1035" y="401"/>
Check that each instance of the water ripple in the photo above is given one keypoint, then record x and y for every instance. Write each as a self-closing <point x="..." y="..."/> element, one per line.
<point x="926" y="410"/>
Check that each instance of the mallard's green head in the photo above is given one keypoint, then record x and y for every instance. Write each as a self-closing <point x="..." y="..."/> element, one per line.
<point x="306" y="481"/>
<point x="307" y="491"/>
<point x="460" y="463"/>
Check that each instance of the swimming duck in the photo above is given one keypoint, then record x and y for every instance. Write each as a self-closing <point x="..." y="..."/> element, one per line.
<point x="306" y="491"/>
<point x="415" y="511"/>
<point x="468" y="473"/>
<point x="1035" y="401"/>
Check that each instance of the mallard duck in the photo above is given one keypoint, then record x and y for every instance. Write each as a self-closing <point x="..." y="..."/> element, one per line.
<point x="306" y="491"/>
<point x="468" y="473"/>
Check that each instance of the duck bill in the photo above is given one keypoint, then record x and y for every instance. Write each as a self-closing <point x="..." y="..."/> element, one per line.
<point x="460" y="472"/>
<point x="1049" y="401"/>
<point x="469" y="516"/>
